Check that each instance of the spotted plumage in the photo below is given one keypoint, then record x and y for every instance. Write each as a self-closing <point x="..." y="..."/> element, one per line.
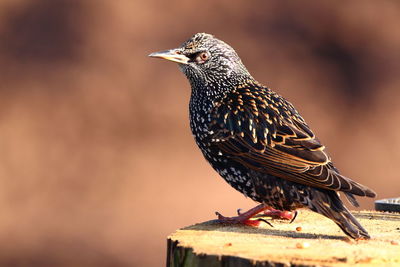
<point x="256" y="140"/>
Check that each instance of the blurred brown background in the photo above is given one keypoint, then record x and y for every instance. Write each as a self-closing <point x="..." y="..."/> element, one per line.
<point x="97" y="161"/>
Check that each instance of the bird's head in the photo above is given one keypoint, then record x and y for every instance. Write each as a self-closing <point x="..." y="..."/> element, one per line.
<point x="207" y="61"/>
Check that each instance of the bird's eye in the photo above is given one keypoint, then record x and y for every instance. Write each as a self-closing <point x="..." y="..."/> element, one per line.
<point x="202" y="57"/>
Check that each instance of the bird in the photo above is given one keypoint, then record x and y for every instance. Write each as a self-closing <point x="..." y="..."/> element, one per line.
<point x="257" y="141"/>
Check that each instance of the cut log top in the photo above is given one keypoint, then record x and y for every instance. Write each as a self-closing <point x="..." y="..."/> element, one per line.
<point x="311" y="240"/>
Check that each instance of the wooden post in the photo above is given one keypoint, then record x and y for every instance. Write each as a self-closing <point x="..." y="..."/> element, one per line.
<point x="311" y="240"/>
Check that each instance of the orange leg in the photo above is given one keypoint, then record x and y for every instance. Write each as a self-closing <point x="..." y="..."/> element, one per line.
<point x="278" y="214"/>
<point x="244" y="218"/>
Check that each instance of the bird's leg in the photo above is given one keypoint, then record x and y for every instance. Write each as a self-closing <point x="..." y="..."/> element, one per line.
<point x="279" y="214"/>
<point x="244" y="218"/>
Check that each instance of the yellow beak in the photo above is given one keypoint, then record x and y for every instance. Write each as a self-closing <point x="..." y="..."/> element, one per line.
<point x="172" y="55"/>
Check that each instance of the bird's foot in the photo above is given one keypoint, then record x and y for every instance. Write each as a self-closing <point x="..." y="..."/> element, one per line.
<point x="279" y="214"/>
<point x="238" y="220"/>
<point x="244" y="218"/>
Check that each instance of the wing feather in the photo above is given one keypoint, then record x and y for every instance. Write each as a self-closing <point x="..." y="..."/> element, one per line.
<point x="265" y="133"/>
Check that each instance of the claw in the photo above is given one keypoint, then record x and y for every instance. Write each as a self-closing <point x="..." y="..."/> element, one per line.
<point x="294" y="216"/>
<point x="219" y="215"/>
<point x="239" y="211"/>
<point x="263" y="220"/>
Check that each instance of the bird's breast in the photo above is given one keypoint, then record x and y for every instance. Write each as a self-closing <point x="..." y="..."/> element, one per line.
<point x="200" y="123"/>
<point x="200" y="116"/>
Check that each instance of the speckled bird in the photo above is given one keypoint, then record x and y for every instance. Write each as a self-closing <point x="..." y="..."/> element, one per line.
<point x="257" y="141"/>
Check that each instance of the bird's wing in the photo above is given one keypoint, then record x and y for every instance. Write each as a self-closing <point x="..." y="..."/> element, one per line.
<point x="261" y="130"/>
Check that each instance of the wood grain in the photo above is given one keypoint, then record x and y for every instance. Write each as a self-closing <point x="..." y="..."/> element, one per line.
<point x="311" y="240"/>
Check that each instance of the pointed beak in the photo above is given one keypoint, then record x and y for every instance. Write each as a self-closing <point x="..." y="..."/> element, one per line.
<point x="172" y="55"/>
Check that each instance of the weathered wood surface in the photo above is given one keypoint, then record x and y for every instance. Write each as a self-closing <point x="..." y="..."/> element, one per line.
<point x="319" y="242"/>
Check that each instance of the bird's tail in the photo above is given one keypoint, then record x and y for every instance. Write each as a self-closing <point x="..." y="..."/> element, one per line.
<point x="332" y="207"/>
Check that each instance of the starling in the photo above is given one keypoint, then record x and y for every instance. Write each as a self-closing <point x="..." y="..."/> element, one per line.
<point x="257" y="141"/>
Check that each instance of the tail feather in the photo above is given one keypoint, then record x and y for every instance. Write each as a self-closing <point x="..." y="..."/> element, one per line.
<point x="330" y="205"/>
<point x="351" y="226"/>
